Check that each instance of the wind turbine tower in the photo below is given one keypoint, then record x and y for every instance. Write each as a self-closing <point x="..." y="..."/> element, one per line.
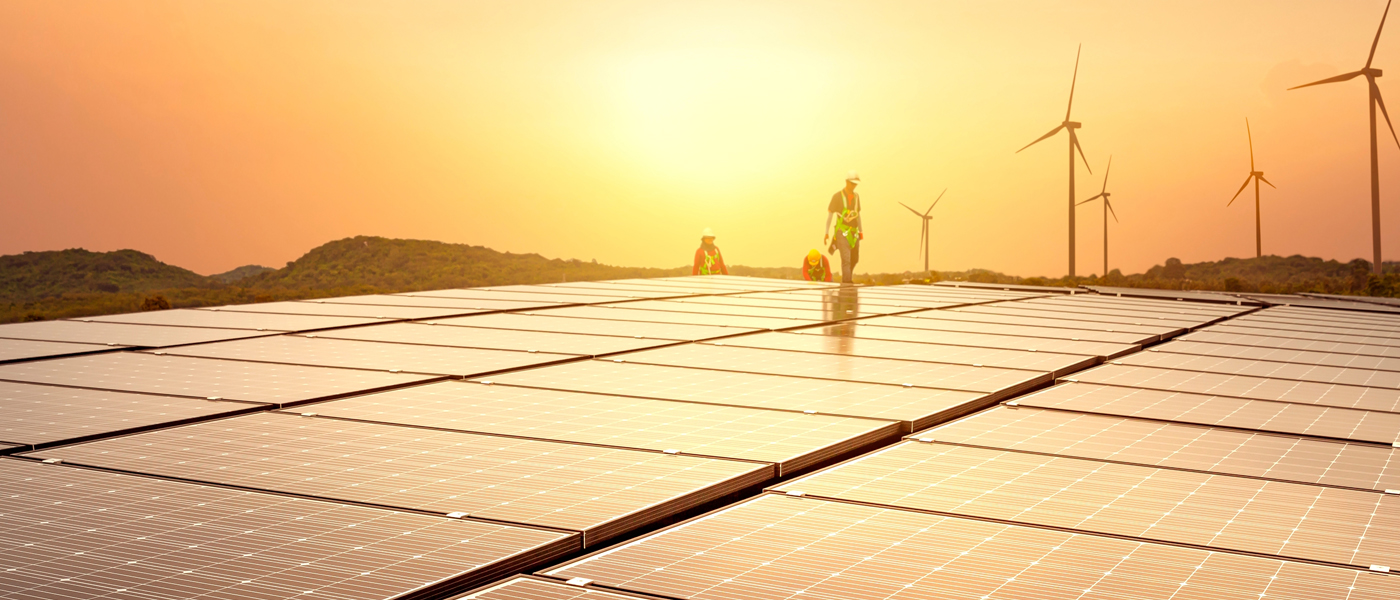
<point x="1257" y="176"/>
<point x="1069" y="126"/>
<point x="923" y="244"/>
<point x="1107" y="210"/>
<point x="1374" y="100"/>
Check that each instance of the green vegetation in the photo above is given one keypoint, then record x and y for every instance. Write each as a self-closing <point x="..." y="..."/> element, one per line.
<point x="1268" y="274"/>
<point x="75" y="283"/>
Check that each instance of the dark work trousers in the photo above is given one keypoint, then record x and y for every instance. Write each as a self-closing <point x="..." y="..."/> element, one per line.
<point x="850" y="255"/>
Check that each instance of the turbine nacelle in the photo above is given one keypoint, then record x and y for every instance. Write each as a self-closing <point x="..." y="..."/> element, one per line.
<point x="1371" y="72"/>
<point x="1071" y="125"/>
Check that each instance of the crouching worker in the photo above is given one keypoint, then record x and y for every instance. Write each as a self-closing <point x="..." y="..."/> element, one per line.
<point x="816" y="267"/>
<point x="708" y="260"/>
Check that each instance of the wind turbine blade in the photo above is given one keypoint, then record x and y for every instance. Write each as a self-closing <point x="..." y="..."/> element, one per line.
<point x="1376" y="91"/>
<point x="1251" y="143"/>
<point x="1110" y="210"/>
<point x="1090" y="200"/>
<point x="1074" y="80"/>
<point x="1339" y="78"/>
<point x="1376" y="41"/>
<point x="1105" y="174"/>
<point x="1074" y="139"/>
<point x="935" y="201"/>
<point x="1237" y="194"/>
<point x="1038" y="140"/>
<point x="1261" y="178"/>
<point x="916" y="213"/>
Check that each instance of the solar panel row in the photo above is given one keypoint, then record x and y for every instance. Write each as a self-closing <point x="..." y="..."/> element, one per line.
<point x="1192" y="472"/>
<point x="578" y="468"/>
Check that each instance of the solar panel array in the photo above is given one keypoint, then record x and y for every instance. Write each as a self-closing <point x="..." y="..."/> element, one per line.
<point x="420" y="445"/>
<point x="1203" y="468"/>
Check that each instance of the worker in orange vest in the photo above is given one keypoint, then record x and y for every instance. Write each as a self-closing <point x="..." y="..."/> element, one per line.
<point x="708" y="260"/>
<point x="816" y="267"/>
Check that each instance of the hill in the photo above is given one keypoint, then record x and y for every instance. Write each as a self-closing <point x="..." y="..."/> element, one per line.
<point x="33" y="276"/>
<point x="76" y="283"/>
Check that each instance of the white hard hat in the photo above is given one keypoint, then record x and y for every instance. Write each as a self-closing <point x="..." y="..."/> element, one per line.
<point x="707" y="233"/>
<point x="853" y="176"/>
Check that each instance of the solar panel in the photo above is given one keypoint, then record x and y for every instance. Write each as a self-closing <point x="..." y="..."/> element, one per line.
<point x="1259" y="368"/>
<point x="831" y="342"/>
<point x="190" y="317"/>
<point x="566" y="289"/>
<point x="1214" y="336"/>
<point x="942" y="320"/>
<point x="1325" y="317"/>
<point x="600" y="492"/>
<point x="461" y="304"/>
<point x="1303" y="301"/>
<point x="790" y="440"/>
<point x="776" y="314"/>
<point x="493" y="339"/>
<point x="881" y="302"/>
<point x="1303" y="357"/>
<point x="1203" y="313"/>
<point x="614" y="288"/>
<point x="80" y="533"/>
<point x="1007" y="287"/>
<point x="1308" y="326"/>
<point x="538" y="297"/>
<point x="625" y="312"/>
<point x="1241" y="386"/>
<point x="327" y="309"/>
<point x="1074" y="319"/>
<point x="918" y="407"/>
<point x="831" y="311"/>
<point x="1375" y="299"/>
<point x="1204" y="409"/>
<point x="843" y="368"/>
<point x="1204" y="308"/>
<point x="116" y="334"/>
<point x="1172" y="295"/>
<point x="775" y="547"/>
<point x="1007" y="313"/>
<point x="375" y="356"/>
<point x="39" y="415"/>
<point x="1173" y="445"/>
<point x="1371" y="340"/>
<point x="533" y="588"/>
<point x="1333" y="315"/>
<point x="545" y="321"/>
<point x="1307" y="522"/>
<point x="204" y="378"/>
<point x="27" y="349"/>
<point x="1075" y="311"/>
<point x="874" y="331"/>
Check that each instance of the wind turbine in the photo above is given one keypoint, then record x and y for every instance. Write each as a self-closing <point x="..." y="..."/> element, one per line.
<point x="1069" y="126"/>
<point x="923" y="244"/>
<point x="1373" y="101"/>
<point x="1107" y="210"/>
<point x="1256" y="177"/>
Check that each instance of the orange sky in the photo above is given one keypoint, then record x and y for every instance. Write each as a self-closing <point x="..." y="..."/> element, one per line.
<point x="214" y="134"/>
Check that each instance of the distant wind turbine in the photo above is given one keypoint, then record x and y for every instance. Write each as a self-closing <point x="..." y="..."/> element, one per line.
<point x="1256" y="177"/>
<point x="1374" y="100"/>
<point x="1069" y="126"/>
<point x="1107" y="210"/>
<point x="923" y="244"/>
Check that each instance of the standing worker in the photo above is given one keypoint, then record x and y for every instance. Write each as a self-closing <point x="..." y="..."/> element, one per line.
<point x="845" y="206"/>
<point x="708" y="260"/>
<point x="816" y="267"/>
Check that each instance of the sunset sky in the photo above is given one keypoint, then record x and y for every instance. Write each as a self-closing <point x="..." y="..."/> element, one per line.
<point x="214" y="134"/>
